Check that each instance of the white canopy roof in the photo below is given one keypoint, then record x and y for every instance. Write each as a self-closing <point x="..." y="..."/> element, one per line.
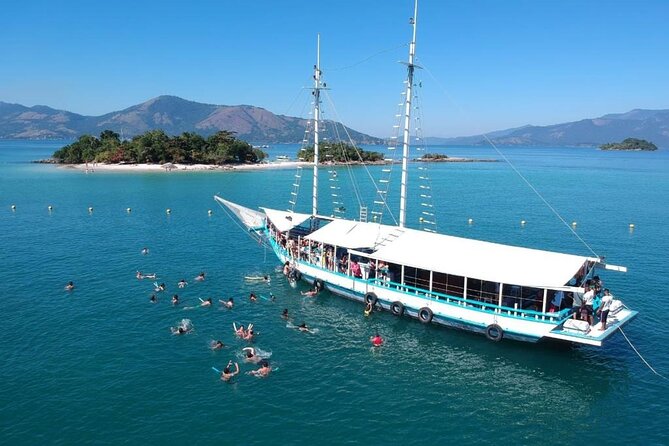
<point x="481" y="260"/>
<point x="353" y="234"/>
<point x="284" y="220"/>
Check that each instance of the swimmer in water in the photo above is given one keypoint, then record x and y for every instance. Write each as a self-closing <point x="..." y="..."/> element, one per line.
<point x="249" y="333"/>
<point x="230" y="303"/>
<point x="175" y="299"/>
<point x="69" y="286"/>
<point x="250" y="355"/>
<point x="286" y="268"/>
<point x="239" y="331"/>
<point x="369" y="308"/>
<point x="253" y="297"/>
<point x="153" y="299"/>
<point x="184" y="327"/>
<point x="217" y="345"/>
<point x="145" y="251"/>
<point x="227" y="374"/>
<point x="266" y="279"/>
<point x="303" y="327"/>
<point x="182" y="283"/>
<point x="263" y="371"/>
<point x="310" y="293"/>
<point x="206" y="302"/>
<point x="376" y="340"/>
<point x="200" y="277"/>
<point x="159" y="288"/>
<point x="284" y="314"/>
<point x="139" y="275"/>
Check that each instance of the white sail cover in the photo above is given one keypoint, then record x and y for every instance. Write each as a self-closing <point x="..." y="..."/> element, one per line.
<point x="353" y="234"/>
<point x="250" y="218"/>
<point x="481" y="260"/>
<point x="283" y="220"/>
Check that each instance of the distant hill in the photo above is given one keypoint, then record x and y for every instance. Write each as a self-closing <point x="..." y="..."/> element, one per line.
<point x="651" y="125"/>
<point x="172" y="114"/>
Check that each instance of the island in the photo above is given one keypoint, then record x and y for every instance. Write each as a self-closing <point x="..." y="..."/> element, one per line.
<point x="156" y="147"/>
<point x="340" y="153"/>
<point x="630" y="144"/>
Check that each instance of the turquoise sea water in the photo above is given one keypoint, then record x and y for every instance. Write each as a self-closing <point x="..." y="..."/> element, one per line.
<point x="99" y="365"/>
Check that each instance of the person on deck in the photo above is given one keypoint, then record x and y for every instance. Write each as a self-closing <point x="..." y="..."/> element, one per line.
<point x="604" y="307"/>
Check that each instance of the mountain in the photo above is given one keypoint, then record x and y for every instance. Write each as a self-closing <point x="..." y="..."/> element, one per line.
<point x="651" y="125"/>
<point x="172" y="114"/>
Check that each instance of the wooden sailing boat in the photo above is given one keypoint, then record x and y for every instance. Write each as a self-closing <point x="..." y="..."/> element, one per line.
<point x="499" y="290"/>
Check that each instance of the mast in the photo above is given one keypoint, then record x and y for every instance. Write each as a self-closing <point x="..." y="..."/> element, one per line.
<point x="317" y="112"/>
<point x="407" y="119"/>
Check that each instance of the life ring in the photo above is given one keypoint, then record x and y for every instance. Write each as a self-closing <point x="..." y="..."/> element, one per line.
<point x="371" y="298"/>
<point x="319" y="285"/>
<point x="494" y="332"/>
<point x="397" y="308"/>
<point x="425" y="315"/>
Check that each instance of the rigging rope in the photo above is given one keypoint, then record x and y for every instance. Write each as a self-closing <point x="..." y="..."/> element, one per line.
<point x="368" y="58"/>
<point x="515" y="169"/>
<point x="234" y="219"/>
<point x="637" y="352"/>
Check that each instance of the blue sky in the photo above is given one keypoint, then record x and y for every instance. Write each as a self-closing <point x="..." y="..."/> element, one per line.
<point x="489" y="65"/>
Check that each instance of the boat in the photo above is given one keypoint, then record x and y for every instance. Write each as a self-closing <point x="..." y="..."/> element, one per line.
<point x="498" y="290"/>
<point x="282" y="158"/>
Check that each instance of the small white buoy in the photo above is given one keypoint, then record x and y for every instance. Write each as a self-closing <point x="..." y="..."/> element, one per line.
<point x="13" y="207"/>
<point x="128" y="210"/>
<point x="470" y="221"/>
<point x="90" y="209"/>
<point x="573" y="223"/>
<point x="209" y="212"/>
<point x="522" y="222"/>
<point x="168" y="211"/>
<point x="50" y="208"/>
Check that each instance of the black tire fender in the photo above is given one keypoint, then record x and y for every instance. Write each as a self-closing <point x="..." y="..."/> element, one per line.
<point x="425" y="315"/>
<point x="494" y="332"/>
<point x="397" y="308"/>
<point x="371" y="298"/>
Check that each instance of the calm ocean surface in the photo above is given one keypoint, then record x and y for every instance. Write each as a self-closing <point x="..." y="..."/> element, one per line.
<point x="99" y="365"/>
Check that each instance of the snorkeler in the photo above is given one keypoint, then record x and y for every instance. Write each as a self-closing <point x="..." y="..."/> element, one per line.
<point x="376" y="340"/>
<point x="263" y="371"/>
<point x="69" y="286"/>
<point x="182" y="283"/>
<point x="250" y="355"/>
<point x="227" y="374"/>
<point x="311" y="293"/>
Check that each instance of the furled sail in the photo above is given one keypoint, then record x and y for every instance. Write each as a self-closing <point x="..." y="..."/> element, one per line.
<point x="250" y="218"/>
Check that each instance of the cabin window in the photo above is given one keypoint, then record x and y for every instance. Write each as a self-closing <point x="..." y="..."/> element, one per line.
<point x="526" y="298"/>
<point x="483" y="290"/>
<point x="415" y="277"/>
<point x="448" y="284"/>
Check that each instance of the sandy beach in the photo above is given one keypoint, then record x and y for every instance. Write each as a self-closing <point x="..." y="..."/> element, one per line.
<point x="169" y="167"/>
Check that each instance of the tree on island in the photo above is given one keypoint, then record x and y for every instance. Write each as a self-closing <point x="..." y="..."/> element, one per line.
<point x="433" y="157"/>
<point x="156" y="146"/>
<point x="339" y="152"/>
<point x="630" y="144"/>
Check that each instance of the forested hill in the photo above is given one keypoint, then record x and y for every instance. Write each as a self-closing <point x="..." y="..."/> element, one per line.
<point x="171" y="114"/>
<point x="651" y="125"/>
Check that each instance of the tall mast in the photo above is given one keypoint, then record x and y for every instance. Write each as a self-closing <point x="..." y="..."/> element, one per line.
<point x="317" y="112"/>
<point x="407" y="119"/>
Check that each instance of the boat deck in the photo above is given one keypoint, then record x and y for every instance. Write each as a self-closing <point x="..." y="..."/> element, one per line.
<point x="594" y="336"/>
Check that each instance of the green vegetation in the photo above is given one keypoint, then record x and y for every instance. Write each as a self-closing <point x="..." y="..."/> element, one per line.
<point x="434" y="157"/>
<point x="339" y="152"/>
<point x="630" y="144"/>
<point x="156" y="146"/>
